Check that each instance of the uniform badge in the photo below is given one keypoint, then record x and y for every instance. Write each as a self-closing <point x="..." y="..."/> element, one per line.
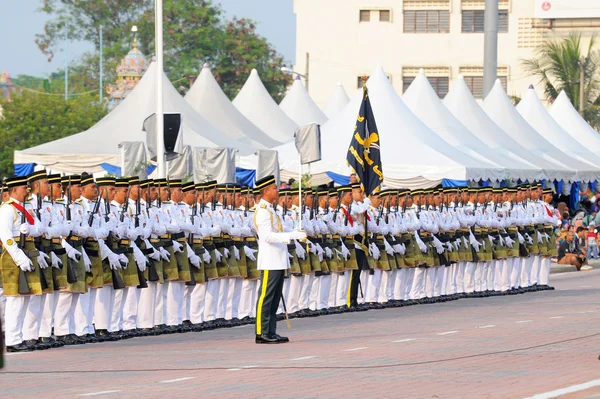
<point x="9" y="242"/>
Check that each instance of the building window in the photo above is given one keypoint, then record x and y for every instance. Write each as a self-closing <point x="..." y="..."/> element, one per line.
<point x="475" y="84"/>
<point x="440" y="84"/>
<point x="359" y="82"/>
<point x="427" y="21"/>
<point x="384" y="15"/>
<point x="473" y="21"/>
<point x="365" y="15"/>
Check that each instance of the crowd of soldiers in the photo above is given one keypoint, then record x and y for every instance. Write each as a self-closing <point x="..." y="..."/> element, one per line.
<point x="89" y="260"/>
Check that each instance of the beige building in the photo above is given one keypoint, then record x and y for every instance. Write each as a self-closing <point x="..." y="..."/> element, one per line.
<point x="342" y="40"/>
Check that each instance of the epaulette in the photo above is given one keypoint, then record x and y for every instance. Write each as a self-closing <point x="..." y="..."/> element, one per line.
<point x="46" y="202"/>
<point x="10" y="201"/>
<point x="253" y="209"/>
<point x="264" y="206"/>
<point x="78" y="200"/>
<point x="60" y="201"/>
<point x="29" y="198"/>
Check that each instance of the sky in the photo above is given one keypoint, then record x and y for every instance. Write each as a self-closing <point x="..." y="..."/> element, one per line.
<point x="20" y="21"/>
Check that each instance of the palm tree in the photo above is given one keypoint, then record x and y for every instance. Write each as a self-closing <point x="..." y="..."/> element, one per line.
<point x="558" y="63"/>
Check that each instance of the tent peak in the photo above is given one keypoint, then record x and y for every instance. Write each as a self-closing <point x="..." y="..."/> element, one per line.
<point x="205" y="65"/>
<point x="421" y="71"/>
<point x="339" y="83"/>
<point x="530" y="87"/>
<point x="460" y="77"/>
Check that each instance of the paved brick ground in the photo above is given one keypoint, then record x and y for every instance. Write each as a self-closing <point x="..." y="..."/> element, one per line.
<point x="500" y="347"/>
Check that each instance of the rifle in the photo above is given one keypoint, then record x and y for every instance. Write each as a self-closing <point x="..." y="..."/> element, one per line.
<point x="23" y="284"/>
<point x="246" y="203"/>
<point x="138" y="211"/>
<point x="192" y="281"/>
<point x="94" y="212"/>
<point x="71" y="266"/>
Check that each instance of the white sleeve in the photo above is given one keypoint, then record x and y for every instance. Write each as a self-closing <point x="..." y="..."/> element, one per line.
<point x="265" y="228"/>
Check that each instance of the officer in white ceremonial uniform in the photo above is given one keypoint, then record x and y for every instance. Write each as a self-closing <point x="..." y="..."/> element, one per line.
<point x="272" y="261"/>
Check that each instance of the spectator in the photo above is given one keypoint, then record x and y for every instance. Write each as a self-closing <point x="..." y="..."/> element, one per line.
<point x="590" y="218"/>
<point x="580" y="235"/>
<point x="353" y="178"/>
<point x="591" y="238"/>
<point x="569" y="252"/>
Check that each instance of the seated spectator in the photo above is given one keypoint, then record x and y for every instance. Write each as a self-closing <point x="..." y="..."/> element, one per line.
<point x="589" y="218"/>
<point x="591" y="239"/>
<point x="569" y="252"/>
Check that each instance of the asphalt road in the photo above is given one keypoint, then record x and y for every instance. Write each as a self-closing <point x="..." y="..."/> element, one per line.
<point x="543" y="343"/>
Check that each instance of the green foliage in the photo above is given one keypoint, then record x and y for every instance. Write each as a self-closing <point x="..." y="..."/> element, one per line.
<point x="306" y="181"/>
<point x="194" y="33"/>
<point x="30" y="119"/>
<point x="558" y="64"/>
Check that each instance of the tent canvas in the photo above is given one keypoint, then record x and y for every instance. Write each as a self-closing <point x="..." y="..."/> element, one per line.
<point x="563" y="112"/>
<point x="207" y="98"/>
<point x="461" y="103"/>
<point x="256" y="104"/>
<point x="300" y="107"/>
<point x="423" y="101"/>
<point x="86" y="151"/>
<point x="500" y="109"/>
<point x="336" y="103"/>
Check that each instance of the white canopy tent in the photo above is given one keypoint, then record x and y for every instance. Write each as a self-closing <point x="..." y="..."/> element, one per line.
<point x="207" y="98"/>
<point x="500" y="109"/>
<point x="336" y="103"/>
<point x="421" y="99"/>
<point x="300" y="108"/>
<point x="256" y="104"/>
<point x="461" y="103"/>
<point x="533" y="111"/>
<point x="412" y="155"/>
<point x="86" y="151"/>
<point x="563" y="112"/>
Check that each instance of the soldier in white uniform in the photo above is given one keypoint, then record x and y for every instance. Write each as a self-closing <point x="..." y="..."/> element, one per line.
<point x="272" y="261"/>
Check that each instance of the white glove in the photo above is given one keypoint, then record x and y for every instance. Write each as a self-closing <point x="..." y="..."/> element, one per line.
<point x="345" y="252"/>
<point x="338" y="254"/>
<point x="249" y="252"/>
<point x="328" y="253"/>
<point x="439" y="247"/>
<point x="139" y="257"/>
<point x="465" y="241"/>
<point x="124" y="260"/>
<point x="400" y="249"/>
<point x="374" y="251"/>
<point x="42" y="260"/>
<point x="319" y="252"/>
<point x="206" y="257"/>
<point x="23" y="261"/>
<point x="540" y="238"/>
<point x="24" y="229"/>
<point x="547" y="237"/>
<point x="529" y="239"/>
<point x="450" y="246"/>
<point x="56" y="262"/>
<point x="297" y="235"/>
<point x="521" y="239"/>
<point x="388" y="247"/>
<point x="502" y="242"/>
<point x="113" y="261"/>
<point x="492" y="239"/>
<point x="155" y="254"/>
<point x="87" y="262"/>
<point x="73" y="253"/>
<point x="194" y="260"/>
<point x="236" y="252"/>
<point x="476" y="244"/>
<point x="218" y="255"/>
<point x="226" y="253"/>
<point x="509" y="242"/>
<point x="177" y="247"/>
<point x="165" y="255"/>
<point x="134" y="232"/>
<point x="300" y="252"/>
<point x="420" y="243"/>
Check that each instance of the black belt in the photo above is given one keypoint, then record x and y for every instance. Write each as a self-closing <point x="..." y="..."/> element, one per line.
<point x="219" y="245"/>
<point x="75" y="243"/>
<point x="147" y="251"/>
<point x="167" y="244"/>
<point x="291" y="247"/>
<point x="427" y="239"/>
<point x="123" y="250"/>
<point x="177" y="236"/>
<point x="444" y="237"/>
<point x="59" y="251"/>
<point x="92" y="252"/>
<point x="238" y="244"/>
<point x="209" y="247"/>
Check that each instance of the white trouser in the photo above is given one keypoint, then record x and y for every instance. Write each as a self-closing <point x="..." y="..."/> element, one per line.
<point x="498" y="277"/>
<point x="222" y="298"/>
<point x="365" y="277"/>
<point x="506" y="273"/>
<point x="196" y="303"/>
<point x="147" y="305"/>
<point x="491" y="270"/>
<point x="84" y="312"/>
<point x="248" y="298"/>
<point x="92" y="296"/>
<point x="211" y="299"/>
<point x="33" y="315"/>
<point x="160" y="307"/>
<point x="341" y="296"/>
<point x="545" y="270"/>
<point x="526" y="265"/>
<point x="335" y="276"/>
<point x="324" y="289"/>
<point x="103" y="307"/>
<point x="313" y="295"/>
<point x="175" y="291"/>
<point x="515" y="274"/>
<point x="417" y="290"/>
<point x="65" y="312"/>
<point x="305" y="291"/>
<point x="430" y="274"/>
<point x="48" y="314"/>
<point x="116" y="318"/>
<point x="534" y="275"/>
<point x="460" y="277"/>
<point x="130" y="308"/>
<point x="399" y="283"/>
<point x="477" y="276"/>
<point x="408" y="283"/>
<point x="233" y="298"/>
<point x="438" y="281"/>
<point x="469" y="277"/>
<point x="293" y="294"/>
<point x="2" y="307"/>
<point x="16" y="307"/>
<point x="373" y="286"/>
<point x="386" y="286"/>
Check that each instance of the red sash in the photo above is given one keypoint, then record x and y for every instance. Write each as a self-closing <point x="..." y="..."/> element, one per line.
<point x="21" y="209"/>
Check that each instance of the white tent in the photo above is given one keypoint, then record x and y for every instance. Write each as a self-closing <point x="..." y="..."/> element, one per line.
<point x="256" y="104"/>
<point x="533" y="111"/>
<point x="86" y="151"/>
<point x="500" y="109"/>
<point x="465" y="108"/>
<point x="208" y="100"/>
<point x="569" y="119"/>
<point x="421" y="99"/>
<point x="412" y="155"/>
<point x="336" y="103"/>
<point x="298" y="105"/>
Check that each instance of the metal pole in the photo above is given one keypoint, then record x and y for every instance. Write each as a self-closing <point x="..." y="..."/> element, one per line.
<point x="490" y="49"/>
<point x="160" y="144"/>
<point x="101" y="69"/>
<point x="306" y="69"/>
<point x="300" y="191"/>
<point x="67" y="64"/>
<point x="581" y="87"/>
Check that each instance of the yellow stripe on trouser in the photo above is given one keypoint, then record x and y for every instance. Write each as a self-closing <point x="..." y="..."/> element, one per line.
<point x="263" y="293"/>
<point x="349" y="289"/>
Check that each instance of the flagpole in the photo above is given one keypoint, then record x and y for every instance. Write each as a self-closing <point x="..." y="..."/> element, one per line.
<point x="300" y="191"/>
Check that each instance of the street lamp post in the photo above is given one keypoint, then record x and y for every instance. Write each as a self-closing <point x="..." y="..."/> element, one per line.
<point x="292" y="72"/>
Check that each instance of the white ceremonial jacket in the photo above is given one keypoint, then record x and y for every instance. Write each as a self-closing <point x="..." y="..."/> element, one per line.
<point x="272" y="241"/>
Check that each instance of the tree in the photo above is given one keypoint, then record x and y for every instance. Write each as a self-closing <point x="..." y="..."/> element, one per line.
<point x="195" y="32"/>
<point x="558" y="64"/>
<point x="30" y="119"/>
